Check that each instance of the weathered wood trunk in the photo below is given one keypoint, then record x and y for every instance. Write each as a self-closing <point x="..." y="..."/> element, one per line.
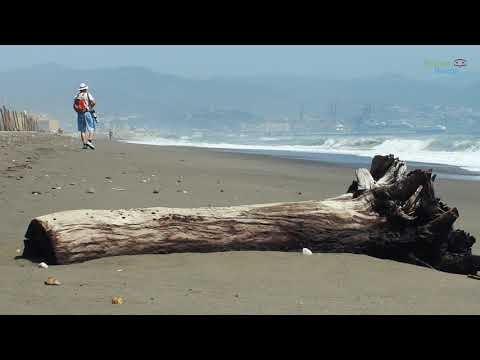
<point x="386" y="213"/>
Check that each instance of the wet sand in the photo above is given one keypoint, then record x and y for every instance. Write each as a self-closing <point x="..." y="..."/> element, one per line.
<point x="219" y="283"/>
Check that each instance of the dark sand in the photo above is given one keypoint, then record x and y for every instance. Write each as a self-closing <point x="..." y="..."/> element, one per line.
<point x="220" y="283"/>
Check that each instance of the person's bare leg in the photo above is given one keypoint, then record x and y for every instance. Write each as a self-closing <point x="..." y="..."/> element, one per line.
<point x="90" y="137"/>
<point x="82" y="137"/>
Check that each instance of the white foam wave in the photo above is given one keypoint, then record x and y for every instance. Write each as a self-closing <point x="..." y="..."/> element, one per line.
<point x="465" y="153"/>
<point x="269" y="138"/>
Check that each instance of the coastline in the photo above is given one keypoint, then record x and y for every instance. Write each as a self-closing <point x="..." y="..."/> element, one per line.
<point x="265" y="282"/>
<point x="349" y="160"/>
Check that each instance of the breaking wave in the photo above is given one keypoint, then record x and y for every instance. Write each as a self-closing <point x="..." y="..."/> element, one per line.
<point x="455" y="150"/>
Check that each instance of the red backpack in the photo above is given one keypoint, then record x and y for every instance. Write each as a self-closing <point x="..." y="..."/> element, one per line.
<point x="79" y="104"/>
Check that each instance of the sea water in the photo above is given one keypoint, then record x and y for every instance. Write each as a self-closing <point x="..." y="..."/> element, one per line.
<point x="454" y="156"/>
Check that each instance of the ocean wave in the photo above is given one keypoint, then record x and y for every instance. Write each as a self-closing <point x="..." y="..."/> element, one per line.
<point x="456" y="151"/>
<point x="348" y="143"/>
<point x="266" y="138"/>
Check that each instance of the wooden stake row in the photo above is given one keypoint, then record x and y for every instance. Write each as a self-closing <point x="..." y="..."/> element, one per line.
<point x="17" y="121"/>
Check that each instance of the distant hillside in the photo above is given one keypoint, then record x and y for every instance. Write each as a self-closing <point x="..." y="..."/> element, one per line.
<point x="132" y="90"/>
<point x="167" y="100"/>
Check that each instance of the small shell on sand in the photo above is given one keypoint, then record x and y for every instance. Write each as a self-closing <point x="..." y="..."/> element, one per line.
<point x="52" y="281"/>
<point x="117" y="300"/>
<point x="306" y="251"/>
<point x="43" y="265"/>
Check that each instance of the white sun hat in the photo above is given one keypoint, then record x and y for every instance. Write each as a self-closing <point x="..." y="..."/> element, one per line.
<point x="83" y="86"/>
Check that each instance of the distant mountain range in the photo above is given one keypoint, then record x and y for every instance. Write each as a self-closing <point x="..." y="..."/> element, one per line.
<point x="169" y="101"/>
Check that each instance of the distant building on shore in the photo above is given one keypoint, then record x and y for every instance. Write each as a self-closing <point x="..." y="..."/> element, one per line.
<point x="48" y="125"/>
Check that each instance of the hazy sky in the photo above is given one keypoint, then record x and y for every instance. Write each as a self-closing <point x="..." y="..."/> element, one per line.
<point x="240" y="60"/>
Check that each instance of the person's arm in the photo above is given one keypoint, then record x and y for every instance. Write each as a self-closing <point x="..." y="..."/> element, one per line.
<point x="92" y="101"/>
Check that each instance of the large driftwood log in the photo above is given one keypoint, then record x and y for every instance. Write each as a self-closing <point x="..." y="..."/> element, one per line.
<point x="386" y="213"/>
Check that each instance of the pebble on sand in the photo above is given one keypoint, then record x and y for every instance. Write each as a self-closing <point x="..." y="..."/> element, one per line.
<point x="91" y="191"/>
<point x="155" y="191"/>
<point x="306" y="251"/>
<point x="117" y="300"/>
<point x="52" y="281"/>
<point x="36" y="193"/>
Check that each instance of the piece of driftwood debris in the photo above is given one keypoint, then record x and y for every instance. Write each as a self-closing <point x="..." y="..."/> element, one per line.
<point x="387" y="213"/>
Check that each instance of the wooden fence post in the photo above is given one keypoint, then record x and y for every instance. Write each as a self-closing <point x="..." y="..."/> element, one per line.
<point x="15" y="120"/>
<point x="12" y="120"/>
<point x="9" y="121"/>
<point x="2" y="126"/>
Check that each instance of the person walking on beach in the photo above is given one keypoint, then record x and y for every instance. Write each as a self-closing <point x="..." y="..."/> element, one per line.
<point x="83" y="104"/>
<point x="110" y="134"/>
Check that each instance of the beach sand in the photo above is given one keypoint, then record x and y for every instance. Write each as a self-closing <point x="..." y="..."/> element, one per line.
<point x="216" y="283"/>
